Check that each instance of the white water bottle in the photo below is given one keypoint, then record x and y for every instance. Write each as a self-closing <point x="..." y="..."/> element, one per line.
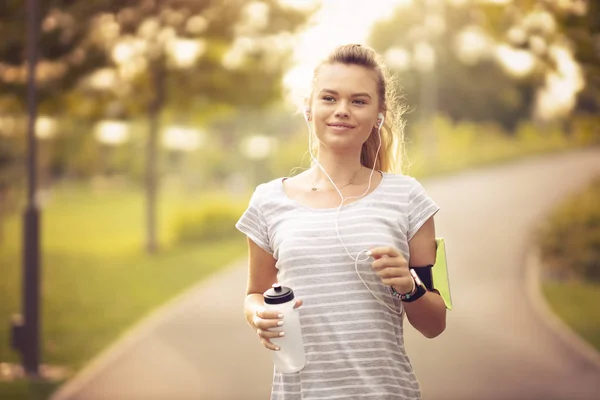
<point x="290" y="357"/>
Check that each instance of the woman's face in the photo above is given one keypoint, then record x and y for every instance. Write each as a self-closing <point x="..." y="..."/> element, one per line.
<point x="344" y="105"/>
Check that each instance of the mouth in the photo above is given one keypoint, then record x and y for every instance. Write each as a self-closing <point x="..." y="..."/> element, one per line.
<point x="340" y="125"/>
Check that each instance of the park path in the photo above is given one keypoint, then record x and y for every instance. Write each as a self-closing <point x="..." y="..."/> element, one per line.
<point x="496" y="346"/>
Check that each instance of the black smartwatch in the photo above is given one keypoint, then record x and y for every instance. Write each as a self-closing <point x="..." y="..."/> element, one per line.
<point x="418" y="291"/>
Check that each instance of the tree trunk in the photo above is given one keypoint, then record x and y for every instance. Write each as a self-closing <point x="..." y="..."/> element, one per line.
<point x="152" y="157"/>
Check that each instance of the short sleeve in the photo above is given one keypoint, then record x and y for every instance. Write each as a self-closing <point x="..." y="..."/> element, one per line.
<point x="420" y="208"/>
<point x="253" y="224"/>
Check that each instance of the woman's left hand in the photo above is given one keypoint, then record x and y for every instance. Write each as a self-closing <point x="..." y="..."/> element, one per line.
<point x="391" y="266"/>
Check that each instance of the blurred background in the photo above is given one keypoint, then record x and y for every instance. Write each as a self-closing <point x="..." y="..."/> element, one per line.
<point x="156" y="120"/>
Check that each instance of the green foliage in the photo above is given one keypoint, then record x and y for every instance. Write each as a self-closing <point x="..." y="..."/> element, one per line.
<point x="28" y="389"/>
<point x="63" y="41"/>
<point x="11" y="152"/>
<point x="443" y="146"/>
<point x="228" y="30"/>
<point x="212" y="221"/>
<point x="292" y="155"/>
<point x="476" y="90"/>
<point x="576" y="303"/>
<point x="11" y="176"/>
<point x="585" y="129"/>
<point x="91" y="250"/>
<point x="570" y="240"/>
<point x="583" y="31"/>
<point x="478" y="87"/>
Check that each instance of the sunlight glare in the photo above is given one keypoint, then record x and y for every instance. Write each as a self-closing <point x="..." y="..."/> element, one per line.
<point x="112" y="133"/>
<point x="337" y="22"/>
<point x="45" y="127"/>
<point x="398" y="58"/>
<point x="103" y="79"/>
<point x="559" y="95"/>
<point x="472" y="44"/>
<point x="185" y="52"/>
<point x="123" y="52"/>
<point x="517" y="62"/>
<point x="182" y="138"/>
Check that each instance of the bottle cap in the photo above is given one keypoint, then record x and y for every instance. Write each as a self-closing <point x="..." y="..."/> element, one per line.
<point x="278" y="294"/>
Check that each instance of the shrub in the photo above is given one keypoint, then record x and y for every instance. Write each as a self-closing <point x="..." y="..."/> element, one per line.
<point x="585" y="129"/>
<point x="212" y="221"/>
<point x="570" y="241"/>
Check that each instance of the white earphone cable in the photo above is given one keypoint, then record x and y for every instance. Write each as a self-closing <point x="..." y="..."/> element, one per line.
<point x="343" y="200"/>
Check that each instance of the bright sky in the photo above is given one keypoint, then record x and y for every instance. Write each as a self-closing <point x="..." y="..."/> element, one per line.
<point x="337" y="22"/>
<point x="344" y="21"/>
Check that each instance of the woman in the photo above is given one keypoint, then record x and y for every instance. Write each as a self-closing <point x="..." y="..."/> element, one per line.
<point x="343" y="235"/>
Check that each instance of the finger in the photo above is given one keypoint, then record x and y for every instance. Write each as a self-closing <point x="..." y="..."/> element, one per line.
<point x="389" y="262"/>
<point x="265" y="324"/>
<point x="269" y="345"/>
<point x="267" y="334"/>
<point x="298" y="303"/>
<point x="392" y="273"/>
<point x="263" y="314"/>
<point x="378" y="252"/>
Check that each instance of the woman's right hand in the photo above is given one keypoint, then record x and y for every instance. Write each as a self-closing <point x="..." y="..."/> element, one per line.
<point x="264" y="320"/>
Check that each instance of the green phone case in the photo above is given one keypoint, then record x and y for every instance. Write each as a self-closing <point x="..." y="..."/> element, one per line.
<point x="441" y="278"/>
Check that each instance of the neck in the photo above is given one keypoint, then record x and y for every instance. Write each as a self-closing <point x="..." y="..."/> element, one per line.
<point x="340" y="167"/>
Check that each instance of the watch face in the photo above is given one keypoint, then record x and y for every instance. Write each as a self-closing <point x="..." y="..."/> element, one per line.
<point x="416" y="277"/>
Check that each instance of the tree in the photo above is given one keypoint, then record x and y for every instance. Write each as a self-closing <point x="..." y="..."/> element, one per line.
<point x="490" y="61"/>
<point x="187" y="57"/>
<point x="66" y="53"/>
<point x="196" y="57"/>
<point x="580" y="22"/>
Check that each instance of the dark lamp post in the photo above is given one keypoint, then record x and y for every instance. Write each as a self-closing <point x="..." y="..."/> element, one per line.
<point x="26" y="327"/>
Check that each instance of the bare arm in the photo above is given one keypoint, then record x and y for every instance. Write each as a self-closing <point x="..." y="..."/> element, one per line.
<point x="427" y="314"/>
<point x="262" y="274"/>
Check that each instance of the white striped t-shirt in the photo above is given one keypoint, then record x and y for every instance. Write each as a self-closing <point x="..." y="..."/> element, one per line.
<point x="354" y="345"/>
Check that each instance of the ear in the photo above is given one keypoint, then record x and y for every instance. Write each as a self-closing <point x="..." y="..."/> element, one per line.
<point x="307" y="114"/>
<point x="380" y="120"/>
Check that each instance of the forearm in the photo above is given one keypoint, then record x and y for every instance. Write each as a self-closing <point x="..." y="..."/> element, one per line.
<point x="252" y="303"/>
<point x="427" y="314"/>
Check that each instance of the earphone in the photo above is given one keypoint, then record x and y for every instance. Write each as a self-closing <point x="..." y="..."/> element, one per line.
<point x="357" y="259"/>
<point x="307" y="115"/>
<point x="381" y="119"/>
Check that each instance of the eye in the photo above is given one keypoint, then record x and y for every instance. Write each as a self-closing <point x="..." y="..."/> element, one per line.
<point x="328" y="98"/>
<point x="361" y="102"/>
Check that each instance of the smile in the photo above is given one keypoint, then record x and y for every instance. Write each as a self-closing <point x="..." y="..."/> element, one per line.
<point x="340" y="126"/>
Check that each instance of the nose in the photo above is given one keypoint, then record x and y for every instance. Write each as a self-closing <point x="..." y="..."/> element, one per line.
<point x="341" y="111"/>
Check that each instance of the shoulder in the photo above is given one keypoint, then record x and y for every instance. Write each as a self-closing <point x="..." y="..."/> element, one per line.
<point x="399" y="180"/>
<point x="398" y="177"/>
<point x="266" y="191"/>
<point x="268" y="187"/>
<point x="404" y="188"/>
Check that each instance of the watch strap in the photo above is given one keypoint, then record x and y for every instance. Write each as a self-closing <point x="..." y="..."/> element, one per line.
<point x="416" y="293"/>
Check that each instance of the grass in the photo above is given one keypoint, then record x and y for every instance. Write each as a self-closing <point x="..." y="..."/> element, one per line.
<point x="448" y="147"/>
<point x="577" y="305"/>
<point x="27" y="390"/>
<point x="96" y="279"/>
<point x="569" y="242"/>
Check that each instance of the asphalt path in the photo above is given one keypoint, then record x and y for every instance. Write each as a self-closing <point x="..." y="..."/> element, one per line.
<point x="496" y="346"/>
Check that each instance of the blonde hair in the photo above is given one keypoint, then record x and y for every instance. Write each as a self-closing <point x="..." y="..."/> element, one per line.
<point x="391" y="154"/>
